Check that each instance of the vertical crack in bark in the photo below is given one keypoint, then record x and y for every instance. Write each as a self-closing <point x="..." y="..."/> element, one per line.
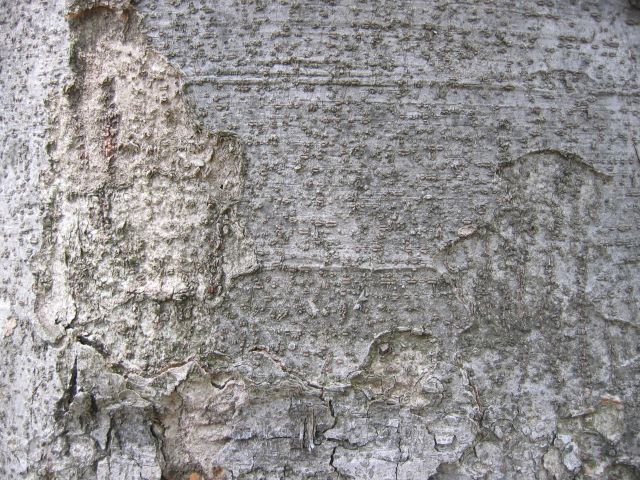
<point x="69" y="392"/>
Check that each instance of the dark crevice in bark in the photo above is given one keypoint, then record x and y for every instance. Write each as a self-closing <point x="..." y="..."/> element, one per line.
<point x="94" y="344"/>
<point x="70" y="392"/>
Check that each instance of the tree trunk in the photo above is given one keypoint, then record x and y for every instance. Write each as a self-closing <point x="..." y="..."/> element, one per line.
<point x="320" y="239"/>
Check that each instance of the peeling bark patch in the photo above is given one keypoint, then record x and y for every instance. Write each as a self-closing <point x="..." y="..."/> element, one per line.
<point x="142" y="241"/>
<point x="144" y="234"/>
<point x="405" y="412"/>
<point x="420" y="405"/>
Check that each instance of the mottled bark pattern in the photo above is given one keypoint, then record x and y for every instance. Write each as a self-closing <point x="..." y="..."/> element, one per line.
<point x="320" y="239"/>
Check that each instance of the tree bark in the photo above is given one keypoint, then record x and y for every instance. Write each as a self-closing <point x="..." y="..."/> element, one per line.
<point x="338" y="239"/>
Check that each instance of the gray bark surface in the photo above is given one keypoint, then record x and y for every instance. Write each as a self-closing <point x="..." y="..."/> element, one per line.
<point x="320" y="239"/>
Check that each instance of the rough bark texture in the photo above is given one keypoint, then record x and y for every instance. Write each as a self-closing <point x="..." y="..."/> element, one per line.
<point x="320" y="239"/>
